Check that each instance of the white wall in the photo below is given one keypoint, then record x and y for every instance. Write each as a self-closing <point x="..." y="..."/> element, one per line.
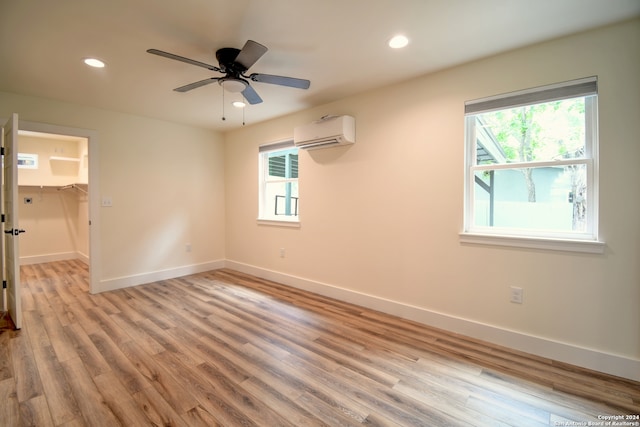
<point x="52" y="220"/>
<point x="56" y="161"/>
<point x="394" y="242"/>
<point x="166" y="183"/>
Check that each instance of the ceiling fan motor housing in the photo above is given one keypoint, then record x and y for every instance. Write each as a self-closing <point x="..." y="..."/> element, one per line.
<point x="226" y="58"/>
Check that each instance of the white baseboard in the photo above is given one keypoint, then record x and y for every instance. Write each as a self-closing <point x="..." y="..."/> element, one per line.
<point x="82" y="257"/>
<point x="39" y="259"/>
<point x="562" y="352"/>
<point x="154" y="276"/>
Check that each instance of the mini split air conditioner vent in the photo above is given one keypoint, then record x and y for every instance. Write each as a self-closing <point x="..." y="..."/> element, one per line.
<point x="329" y="131"/>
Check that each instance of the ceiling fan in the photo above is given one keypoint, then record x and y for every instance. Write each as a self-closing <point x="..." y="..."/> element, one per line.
<point x="234" y="63"/>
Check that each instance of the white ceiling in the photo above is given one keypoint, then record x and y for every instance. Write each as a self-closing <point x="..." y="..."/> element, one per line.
<point x="339" y="45"/>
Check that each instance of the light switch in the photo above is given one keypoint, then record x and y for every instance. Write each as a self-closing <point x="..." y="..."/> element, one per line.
<point x="107" y="202"/>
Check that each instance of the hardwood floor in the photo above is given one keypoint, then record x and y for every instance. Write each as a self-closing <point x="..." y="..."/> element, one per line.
<point x="223" y="348"/>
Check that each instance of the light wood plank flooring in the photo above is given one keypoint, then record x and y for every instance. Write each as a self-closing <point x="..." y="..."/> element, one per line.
<point x="226" y="349"/>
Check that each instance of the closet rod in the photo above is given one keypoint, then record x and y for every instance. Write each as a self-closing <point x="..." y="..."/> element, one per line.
<point x="65" y="187"/>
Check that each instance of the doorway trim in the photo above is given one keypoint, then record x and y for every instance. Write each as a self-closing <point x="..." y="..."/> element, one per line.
<point x="93" y="186"/>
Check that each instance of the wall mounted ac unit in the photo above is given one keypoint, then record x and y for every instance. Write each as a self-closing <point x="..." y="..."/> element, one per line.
<point x="329" y="131"/>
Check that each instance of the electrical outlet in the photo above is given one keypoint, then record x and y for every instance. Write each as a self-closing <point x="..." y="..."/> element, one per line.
<point x="282" y="252"/>
<point x="187" y="247"/>
<point x="517" y="295"/>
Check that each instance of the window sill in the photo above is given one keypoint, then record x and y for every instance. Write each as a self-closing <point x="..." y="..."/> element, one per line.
<point x="279" y="223"/>
<point x="567" y="245"/>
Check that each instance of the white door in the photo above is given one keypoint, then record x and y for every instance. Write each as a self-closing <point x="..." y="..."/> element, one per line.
<point x="11" y="231"/>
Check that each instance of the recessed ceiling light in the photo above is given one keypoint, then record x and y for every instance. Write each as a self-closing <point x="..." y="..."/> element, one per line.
<point x="93" y="62"/>
<point x="398" y="42"/>
<point x="238" y="104"/>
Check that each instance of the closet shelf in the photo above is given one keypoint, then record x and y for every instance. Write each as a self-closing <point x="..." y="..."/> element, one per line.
<point x="65" y="159"/>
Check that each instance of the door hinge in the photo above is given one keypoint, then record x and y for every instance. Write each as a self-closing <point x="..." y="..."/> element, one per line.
<point x="3" y="218"/>
<point x="1" y="151"/>
<point x="4" y="284"/>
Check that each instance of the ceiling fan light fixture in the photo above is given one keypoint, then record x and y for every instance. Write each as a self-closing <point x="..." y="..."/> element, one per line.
<point x="94" y="62"/>
<point x="238" y="104"/>
<point x="398" y="42"/>
<point x="233" y="85"/>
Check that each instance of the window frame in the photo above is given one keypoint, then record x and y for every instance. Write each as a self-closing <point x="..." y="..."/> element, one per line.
<point x="587" y="241"/>
<point x="264" y="218"/>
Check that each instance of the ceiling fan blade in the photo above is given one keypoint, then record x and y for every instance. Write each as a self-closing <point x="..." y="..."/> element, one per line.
<point x="183" y="59"/>
<point x="194" y="85"/>
<point x="251" y="95"/>
<point x="280" y="80"/>
<point x="250" y="53"/>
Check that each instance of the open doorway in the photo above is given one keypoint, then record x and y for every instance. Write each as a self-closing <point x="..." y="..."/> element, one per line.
<point x="84" y="159"/>
<point x="53" y="186"/>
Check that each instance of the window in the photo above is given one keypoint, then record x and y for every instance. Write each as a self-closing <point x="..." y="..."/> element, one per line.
<point x="531" y="163"/>
<point x="27" y="161"/>
<point x="279" y="182"/>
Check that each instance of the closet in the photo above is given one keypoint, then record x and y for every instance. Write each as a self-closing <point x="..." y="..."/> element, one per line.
<point x="53" y="173"/>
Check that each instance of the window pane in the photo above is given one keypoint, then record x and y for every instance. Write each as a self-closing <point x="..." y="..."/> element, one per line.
<point x="540" y="132"/>
<point x="281" y="199"/>
<point x="543" y="198"/>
